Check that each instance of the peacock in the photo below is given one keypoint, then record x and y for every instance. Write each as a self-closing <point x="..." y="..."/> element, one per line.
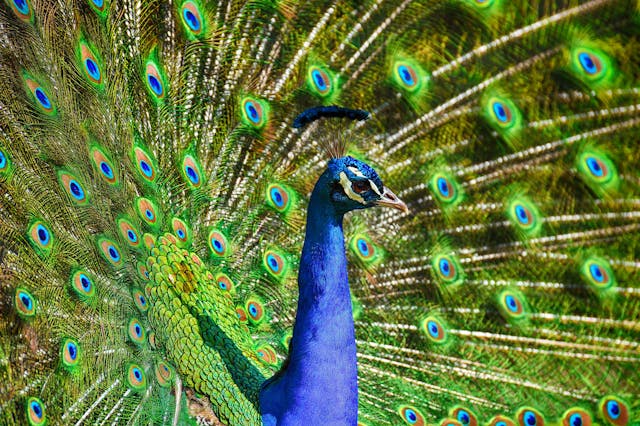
<point x="338" y="212"/>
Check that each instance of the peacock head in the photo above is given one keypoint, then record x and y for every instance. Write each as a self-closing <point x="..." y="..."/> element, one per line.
<point x="355" y="185"/>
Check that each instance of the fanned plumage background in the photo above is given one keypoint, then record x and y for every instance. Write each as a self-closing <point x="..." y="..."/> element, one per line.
<point x="509" y="128"/>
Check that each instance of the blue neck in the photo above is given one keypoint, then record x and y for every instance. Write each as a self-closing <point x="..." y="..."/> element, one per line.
<point x="319" y="385"/>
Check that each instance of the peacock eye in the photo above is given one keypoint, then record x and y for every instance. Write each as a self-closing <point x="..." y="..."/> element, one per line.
<point x="361" y="186"/>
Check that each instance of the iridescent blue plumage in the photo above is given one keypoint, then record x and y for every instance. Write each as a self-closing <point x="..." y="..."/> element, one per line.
<point x="320" y="378"/>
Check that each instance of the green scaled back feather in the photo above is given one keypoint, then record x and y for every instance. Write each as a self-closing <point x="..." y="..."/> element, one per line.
<point x="153" y="196"/>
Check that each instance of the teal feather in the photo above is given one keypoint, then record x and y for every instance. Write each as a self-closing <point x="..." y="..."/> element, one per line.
<point x="153" y="194"/>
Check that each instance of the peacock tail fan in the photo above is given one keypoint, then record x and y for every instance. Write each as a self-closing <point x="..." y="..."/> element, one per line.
<point x="153" y="193"/>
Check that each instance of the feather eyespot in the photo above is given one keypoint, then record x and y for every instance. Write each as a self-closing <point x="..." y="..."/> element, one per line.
<point x="524" y="216"/>
<point x="92" y="69"/>
<point x="267" y="354"/>
<point x="103" y="165"/>
<point x="154" y="80"/>
<point x="218" y="243"/>
<point x="129" y="232"/>
<point x="464" y="416"/>
<point x="147" y="211"/>
<point x="254" y="112"/>
<point x="278" y="197"/>
<point x="180" y="230"/>
<point x="106" y="170"/>
<point x="445" y="188"/>
<point x="35" y="412"/>
<point x="614" y="410"/>
<point x="598" y="171"/>
<point x="224" y="282"/>
<point x="191" y="171"/>
<point x="434" y="330"/>
<point x="41" y="237"/>
<point x="144" y="164"/>
<point x="274" y="263"/>
<point x="529" y="417"/>
<point x="411" y="415"/>
<point x="597" y="168"/>
<point x="164" y="374"/>
<point x="319" y="81"/>
<point x="110" y="251"/>
<point x="447" y="269"/>
<point x="70" y="353"/>
<point x="598" y="273"/>
<point x="576" y="417"/>
<point x="73" y="188"/>
<point x="590" y="63"/>
<point x="22" y="9"/>
<point x="366" y="251"/>
<point x="407" y="75"/>
<point x="24" y="303"/>
<point x="191" y="17"/>
<point x="136" y="378"/>
<point x="242" y="314"/>
<point x="365" y="248"/>
<point x="136" y="333"/>
<point x="90" y="64"/>
<point x="41" y="97"/>
<point x="255" y="310"/>
<point x="82" y="284"/>
<point x="511" y="305"/>
<point x="501" y="112"/>
<point x="140" y="300"/>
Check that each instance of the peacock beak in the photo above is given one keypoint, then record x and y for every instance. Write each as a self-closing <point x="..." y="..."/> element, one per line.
<point x="389" y="199"/>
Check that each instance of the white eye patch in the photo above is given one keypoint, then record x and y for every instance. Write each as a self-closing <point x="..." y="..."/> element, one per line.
<point x="375" y="188"/>
<point x="356" y="172"/>
<point x="346" y="185"/>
